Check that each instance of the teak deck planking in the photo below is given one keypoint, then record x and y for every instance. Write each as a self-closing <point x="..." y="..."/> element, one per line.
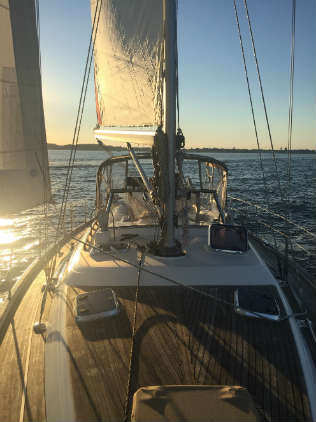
<point x="22" y="357"/>
<point x="182" y="338"/>
<point x="22" y="361"/>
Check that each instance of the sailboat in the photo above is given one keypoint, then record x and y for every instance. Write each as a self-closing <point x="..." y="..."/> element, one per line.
<point x="24" y="177"/>
<point x="158" y="308"/>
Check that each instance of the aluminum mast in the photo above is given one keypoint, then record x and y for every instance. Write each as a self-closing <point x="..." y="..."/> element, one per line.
<point x="170" y="40"/>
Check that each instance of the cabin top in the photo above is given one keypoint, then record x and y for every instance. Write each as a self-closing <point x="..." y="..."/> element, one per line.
<point x="200" y="265"/>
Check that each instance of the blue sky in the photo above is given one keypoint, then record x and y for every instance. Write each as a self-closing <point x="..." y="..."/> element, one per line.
<point x="214" y="105"/>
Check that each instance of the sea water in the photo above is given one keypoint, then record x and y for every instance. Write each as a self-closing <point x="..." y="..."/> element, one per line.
<point x="22" y="235"/>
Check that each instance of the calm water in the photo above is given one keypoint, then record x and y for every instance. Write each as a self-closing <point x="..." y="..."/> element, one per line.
<point x="22" y="235"/>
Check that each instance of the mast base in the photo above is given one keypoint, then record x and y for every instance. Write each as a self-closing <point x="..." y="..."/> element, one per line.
<point x="159" y="249"/>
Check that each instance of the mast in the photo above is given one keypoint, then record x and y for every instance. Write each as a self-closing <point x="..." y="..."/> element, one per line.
<point x="170" y="40"/>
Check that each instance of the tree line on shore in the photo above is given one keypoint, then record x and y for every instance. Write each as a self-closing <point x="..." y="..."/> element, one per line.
<point x="95" y="147"/>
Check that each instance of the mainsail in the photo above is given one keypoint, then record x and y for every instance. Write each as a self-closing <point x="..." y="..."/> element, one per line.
<point x="24" y="177"/>
<point x="128" y="63"/>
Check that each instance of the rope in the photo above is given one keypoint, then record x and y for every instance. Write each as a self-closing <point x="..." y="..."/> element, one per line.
<point x="262" y="96"/>
<point x="131" y="355"/>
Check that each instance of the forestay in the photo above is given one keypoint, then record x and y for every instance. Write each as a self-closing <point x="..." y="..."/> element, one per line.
<point x="24" y="179"/>
<point x="128" y="65"/>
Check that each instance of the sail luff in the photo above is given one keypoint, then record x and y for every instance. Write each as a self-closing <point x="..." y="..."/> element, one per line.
<point x="24" y="176"/>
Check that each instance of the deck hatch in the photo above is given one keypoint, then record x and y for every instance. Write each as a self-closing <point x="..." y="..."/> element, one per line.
<point x="257" y="304"/>
<point x="227" y="237"/>
<point x="96" y="305"/>
<point x="193" y="403"/>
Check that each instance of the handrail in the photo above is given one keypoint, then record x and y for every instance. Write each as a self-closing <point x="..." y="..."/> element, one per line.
<point x="148" y="155"/>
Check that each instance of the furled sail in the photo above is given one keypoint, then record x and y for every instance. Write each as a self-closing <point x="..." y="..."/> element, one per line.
<point x="24" y="177"/>
<point x="128" y="64"/>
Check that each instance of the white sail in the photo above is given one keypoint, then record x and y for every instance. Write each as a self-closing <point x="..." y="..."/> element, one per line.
<point x="24" y="177"/>
<point x="128" y="62"/>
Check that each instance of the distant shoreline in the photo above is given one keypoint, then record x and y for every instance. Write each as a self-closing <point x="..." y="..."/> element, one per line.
<point x="91" y="147"/>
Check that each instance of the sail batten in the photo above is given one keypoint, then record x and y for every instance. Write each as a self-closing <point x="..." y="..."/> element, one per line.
<point x="128" y="62"/>
<point x="24" y="177"/>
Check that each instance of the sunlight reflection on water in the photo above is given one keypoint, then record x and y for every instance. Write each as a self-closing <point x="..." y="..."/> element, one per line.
<point x="22" y="235"/>
<point x="7" y="234"/>
<point x="6" y="222"/>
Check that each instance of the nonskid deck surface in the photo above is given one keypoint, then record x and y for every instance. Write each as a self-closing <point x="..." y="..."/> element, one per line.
<point x="182" y="338"/>
<point x="200" y="265"/>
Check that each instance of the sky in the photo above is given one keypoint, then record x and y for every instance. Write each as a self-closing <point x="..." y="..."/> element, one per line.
<point x="214" y="102"/>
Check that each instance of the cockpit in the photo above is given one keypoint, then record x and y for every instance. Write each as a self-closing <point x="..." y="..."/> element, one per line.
<point x="128" y="194"/>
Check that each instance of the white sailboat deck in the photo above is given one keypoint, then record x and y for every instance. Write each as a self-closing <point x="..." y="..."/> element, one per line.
<point x="181" y="337"/>
<point x="199" y="266"/>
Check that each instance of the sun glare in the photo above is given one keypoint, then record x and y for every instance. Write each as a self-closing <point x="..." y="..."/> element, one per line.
<point x="6" y="234"/>
<point x="6" y="222"/>
<point x="6" y="237"/>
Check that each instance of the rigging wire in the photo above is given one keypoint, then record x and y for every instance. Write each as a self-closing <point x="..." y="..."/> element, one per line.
<point x="274" y="214"/>
<point x="131" y="356"/>
<point x="250" y="98"/>
<point x="84" y="87"/>
<point x="262" y="96"/>
<point x="285" y="236"/>
<point x="43" y="169"/>
<point x="79" y="115"/>
<point x="253" y="112"/>
<point x="291" y="98"/>
<point x="290" y="119"/>
<point x="177" y="68"/>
